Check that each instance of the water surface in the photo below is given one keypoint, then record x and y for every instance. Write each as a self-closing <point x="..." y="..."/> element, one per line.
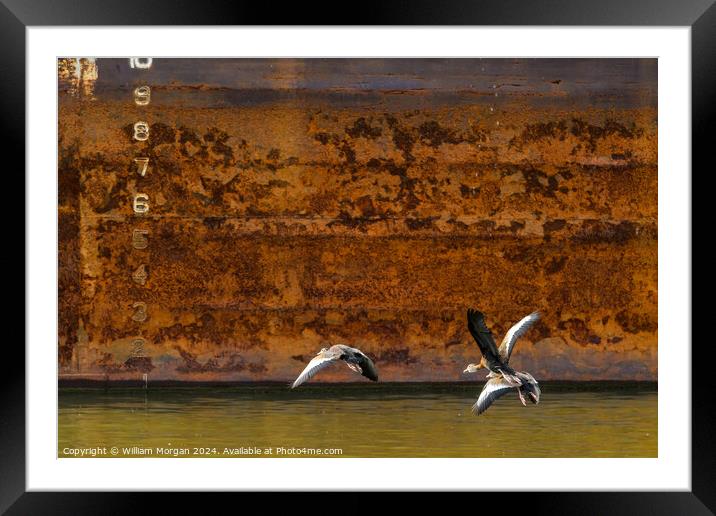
<point x="358" y="420"/>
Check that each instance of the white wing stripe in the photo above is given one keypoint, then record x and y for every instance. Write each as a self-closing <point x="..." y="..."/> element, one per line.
<point x="515" y="333"/>
<point x="316" y="364"/>
<point x="493" y="389"/>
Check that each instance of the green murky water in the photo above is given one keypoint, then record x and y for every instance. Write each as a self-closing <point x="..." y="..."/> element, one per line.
<point x="360" y="420"/>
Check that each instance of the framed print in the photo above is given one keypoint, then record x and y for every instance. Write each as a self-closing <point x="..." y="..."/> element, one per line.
<point x="359" y="258"/>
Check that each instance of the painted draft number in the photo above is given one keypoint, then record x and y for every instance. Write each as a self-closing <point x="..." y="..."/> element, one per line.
<point x="142" y="165"/>
<point x="139" y="239"/>
<point x="138" y="347"/>
<point x="141" y="131"/>
<point x="142" y="95"/>
<point x="140" y="275"/>
<point x="141" y="203"/>
<point x="140" y="311"/>
<point x="143" y="63"/>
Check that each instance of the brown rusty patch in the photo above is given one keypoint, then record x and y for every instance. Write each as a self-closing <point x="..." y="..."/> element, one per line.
<point x="537" y="181"/>
<point x="418" y="224"/>
<point x="400" y="356"/>
<point x="278" y="227"/>
<point x="362" y="129"/>
<point x="590" y="133"/>
<point x="555" y="264"/>
<point x="579" y="331"/>
<point x="140" y="364"/>
<point x="539" y="131"/>
<point x="221" y="363"/>
<point x="595" y="231"/>
<point x="634" y="323"/>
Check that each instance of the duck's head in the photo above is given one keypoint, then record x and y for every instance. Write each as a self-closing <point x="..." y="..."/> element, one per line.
<point x="472" y="368"/>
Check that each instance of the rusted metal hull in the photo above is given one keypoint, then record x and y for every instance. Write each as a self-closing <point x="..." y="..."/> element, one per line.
<point x="285" y="219"/>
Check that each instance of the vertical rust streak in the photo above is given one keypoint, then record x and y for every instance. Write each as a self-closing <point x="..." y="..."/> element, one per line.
<point x="68" y="237"/>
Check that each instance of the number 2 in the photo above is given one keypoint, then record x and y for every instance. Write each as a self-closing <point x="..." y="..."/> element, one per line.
<point x="138" y="347"/>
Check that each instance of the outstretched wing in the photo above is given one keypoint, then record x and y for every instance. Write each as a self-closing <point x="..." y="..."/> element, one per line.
<point x="494" y="388"/>
<point x="482" y="335"/>
<point x="515" y="333"/>
<point x="366" y="365"/>
<point x="320" y="361"/>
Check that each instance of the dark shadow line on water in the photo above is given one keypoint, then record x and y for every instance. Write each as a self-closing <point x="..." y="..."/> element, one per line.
<point x="175" y="397"/>
<point x="554" y="385"/>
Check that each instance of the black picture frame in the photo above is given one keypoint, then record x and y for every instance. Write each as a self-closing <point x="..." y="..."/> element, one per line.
<point x="700" y="15"/>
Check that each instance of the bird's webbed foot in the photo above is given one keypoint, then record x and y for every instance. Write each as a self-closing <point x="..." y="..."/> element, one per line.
<point x="522" y="397"/>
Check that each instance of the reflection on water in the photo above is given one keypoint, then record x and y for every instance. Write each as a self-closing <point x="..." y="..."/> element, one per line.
<point x="365" y="420"/>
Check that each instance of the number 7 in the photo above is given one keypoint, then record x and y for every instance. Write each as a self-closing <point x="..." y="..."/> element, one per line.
<point x="142" y="164"/>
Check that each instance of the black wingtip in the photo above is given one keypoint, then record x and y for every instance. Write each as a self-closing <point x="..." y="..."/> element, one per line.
<point x="474" y="311"/>
<point x="371" y="375"/>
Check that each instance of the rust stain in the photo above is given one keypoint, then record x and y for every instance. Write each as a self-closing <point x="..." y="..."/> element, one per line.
<point x="77" y="76"/>
<point x="298" y="220"/>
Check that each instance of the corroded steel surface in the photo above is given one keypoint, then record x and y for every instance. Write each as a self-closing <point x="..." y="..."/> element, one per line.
<point x="290" y="213"/>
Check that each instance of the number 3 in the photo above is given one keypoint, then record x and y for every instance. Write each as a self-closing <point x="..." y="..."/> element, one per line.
<point x="141" y="311"/>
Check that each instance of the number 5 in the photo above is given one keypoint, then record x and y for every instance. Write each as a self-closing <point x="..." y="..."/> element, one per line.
<point x="141" y="311"/>
<point x="139" y="238"/>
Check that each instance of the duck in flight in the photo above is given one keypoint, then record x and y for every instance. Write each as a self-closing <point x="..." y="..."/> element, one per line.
<point x="353" y="357"/>
<point x="501" y="378"/>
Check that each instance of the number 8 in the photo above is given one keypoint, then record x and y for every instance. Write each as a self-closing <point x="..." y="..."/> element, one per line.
<point x="141" y="131"/>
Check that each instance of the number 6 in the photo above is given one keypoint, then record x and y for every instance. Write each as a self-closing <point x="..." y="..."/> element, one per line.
<point x="141" y="203"/>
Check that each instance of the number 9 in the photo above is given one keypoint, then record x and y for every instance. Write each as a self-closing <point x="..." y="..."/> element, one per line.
<point x="141" y="95"/>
